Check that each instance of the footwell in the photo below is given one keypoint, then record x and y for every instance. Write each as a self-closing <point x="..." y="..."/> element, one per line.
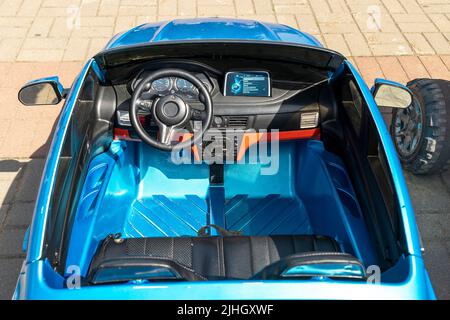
<point x="163" y="216"/>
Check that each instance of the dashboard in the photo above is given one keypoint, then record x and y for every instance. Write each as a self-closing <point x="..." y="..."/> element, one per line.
<point x="245" y="95"/>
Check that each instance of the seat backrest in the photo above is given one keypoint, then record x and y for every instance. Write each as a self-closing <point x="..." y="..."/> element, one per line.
<point x="200" y="258"/>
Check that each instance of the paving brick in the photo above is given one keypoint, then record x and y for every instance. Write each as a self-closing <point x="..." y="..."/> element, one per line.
<point x="441" y="21"/>
<point x="369" y="68"/>
<point x="20" y="214"/>
<point x="411" y="18"/>
<point x="67" y="72"/>
<point x="11" y="241"/>
<point x="434" y="226"/>
<point x="437" y="260"/>
<point x="417" y="27"/>
<point x="124" y="23"/>
<point x="29" y="8"/>
<point x="10" y="169"/>
<point x="413" y="67"/>
<point x="437" y="8"/>
<point x="307" y="23"/>
<point x="435" y="67"/>
<point x="375" y="23"/>
<point x="419" y="44"/>
<point x="4" y="209"/>
<point x="76" y="49"/>
<point x="9" y="7"/>
<point x="433" y="196"/>
<point x="137" y="11"/>
<point x="245" y="7"/>
<point x="292" y="9"/>
<point x="96" y="45"/>
<point x="288" y="20"/>
<point x="411" y="6"/>
<point x="440" y="44"/>
<point x="215" y="11"/>
<point x="40" y="55"/>
<point x="44" y="43"/>
<point x="62" y="27"/>
<point x="189" y="7"/>
<point x="13" y="31"/>
<point x="393" y="6"/>
<point x="16" y="21"/>
<point x="357" y="44"/>
<point x="29" y="184"/>
<point x="9" y="272"/>
<point x="9" y="49"/>
<point x="388" y="44"/>
<point x="337" y="42"/>
<point x="40" y="27"/>
<point x="53" y="12"/>
<point x="89" y="8"/>
<point x="167" y="7"/>
<point x="146" y="19"/>
<point x="91" y="32"/>
<point x="392" y="69"/>
<point x="263" y="7"/>
<point x="109" y="8"/>
<point x="446" y="60"/>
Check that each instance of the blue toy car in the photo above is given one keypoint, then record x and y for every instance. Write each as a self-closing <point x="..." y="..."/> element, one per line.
<point x="229" y="159"/>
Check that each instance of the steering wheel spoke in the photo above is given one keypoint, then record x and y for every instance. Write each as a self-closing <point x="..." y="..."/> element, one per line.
<point x="165" y="133"/>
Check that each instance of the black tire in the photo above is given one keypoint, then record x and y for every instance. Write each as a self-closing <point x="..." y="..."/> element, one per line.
<point x="432" y="153"/>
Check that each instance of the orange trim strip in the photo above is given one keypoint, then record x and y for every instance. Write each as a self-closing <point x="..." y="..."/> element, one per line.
<point x="252" y="138"/>
<point x="248" y="139"/>
<point x="124" y="134"/>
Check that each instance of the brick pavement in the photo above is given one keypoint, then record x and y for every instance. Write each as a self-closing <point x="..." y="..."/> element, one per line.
<point x="397" y="39"/>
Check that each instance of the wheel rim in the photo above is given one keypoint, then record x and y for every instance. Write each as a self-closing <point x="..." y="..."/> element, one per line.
<point x="408" y="129"/>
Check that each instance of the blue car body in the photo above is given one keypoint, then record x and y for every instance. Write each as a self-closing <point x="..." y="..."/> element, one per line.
<point x="408" y="279"/>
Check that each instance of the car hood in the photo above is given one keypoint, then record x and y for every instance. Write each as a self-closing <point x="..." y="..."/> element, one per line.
<point x="211" y="29"/>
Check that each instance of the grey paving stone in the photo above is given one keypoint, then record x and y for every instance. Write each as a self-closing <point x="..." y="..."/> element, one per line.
<point x="20" y="214"/>
<point x="3" y="211"/>
<point x="446" y="179"/>
<point x="11" y="241"/>
<point x="7" y="191"/>
<point x="434" y="226"/>
<point x="9" y="272"/>
<point x="428" y="193"/>
<point x="29" y="183"/>
<point x="437" y="261"/>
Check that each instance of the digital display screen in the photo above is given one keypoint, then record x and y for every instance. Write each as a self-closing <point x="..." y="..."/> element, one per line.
<point x="247" y="83"/>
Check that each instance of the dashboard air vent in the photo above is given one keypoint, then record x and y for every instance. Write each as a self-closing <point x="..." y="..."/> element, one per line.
<point x="309" y="120"/>
<point x="237" y="121"/>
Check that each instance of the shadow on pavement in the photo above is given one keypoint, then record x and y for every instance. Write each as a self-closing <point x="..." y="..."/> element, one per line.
<point x="19" y="183"/>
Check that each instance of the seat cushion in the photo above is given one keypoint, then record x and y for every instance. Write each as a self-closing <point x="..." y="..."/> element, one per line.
<point x="234" y="257"/>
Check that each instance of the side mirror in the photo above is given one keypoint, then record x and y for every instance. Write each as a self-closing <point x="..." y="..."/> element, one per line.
<point x="44" y="91"/>
<point x="391" y="94"/>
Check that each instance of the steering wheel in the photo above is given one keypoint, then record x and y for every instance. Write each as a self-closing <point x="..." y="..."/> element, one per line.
<point x="170" y="112"/>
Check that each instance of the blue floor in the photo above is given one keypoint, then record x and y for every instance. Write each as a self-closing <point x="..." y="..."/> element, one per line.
<point x="160" y="216"/>
<point x="137" y="191"/>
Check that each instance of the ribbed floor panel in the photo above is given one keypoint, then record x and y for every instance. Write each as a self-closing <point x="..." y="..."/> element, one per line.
<point x="272" y="214"/>
<point x="161" y="216"/>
